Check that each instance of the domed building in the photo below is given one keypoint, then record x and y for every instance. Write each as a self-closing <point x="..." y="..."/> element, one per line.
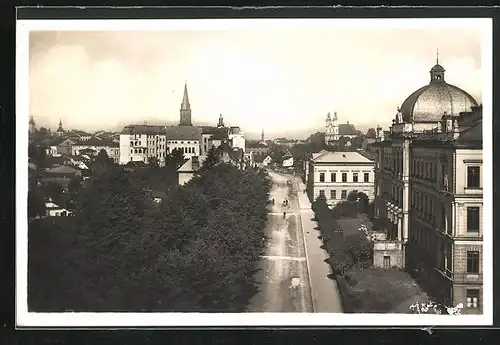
<point x="428" y="192"/>
<point x="430" y="102"/>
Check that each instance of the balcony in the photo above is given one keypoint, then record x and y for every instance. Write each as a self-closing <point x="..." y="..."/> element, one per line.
<point x="387" y="245"/>
<point x="466" y="277"/>
<point x="461" y="277"/>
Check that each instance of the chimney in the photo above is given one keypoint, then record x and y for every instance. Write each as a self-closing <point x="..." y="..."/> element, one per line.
<point x="195" y="163"/>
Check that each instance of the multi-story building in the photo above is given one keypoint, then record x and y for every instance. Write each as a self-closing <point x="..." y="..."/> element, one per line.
<point x="184" y="138"/>
<point x="140" y="142"/>
<point x="95" y="144"/>
<point x="336" y="174"/>
<point x="428" y="186"/>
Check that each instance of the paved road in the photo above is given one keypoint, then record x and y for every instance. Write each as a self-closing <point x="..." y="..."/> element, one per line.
<point x="284" y="278"/>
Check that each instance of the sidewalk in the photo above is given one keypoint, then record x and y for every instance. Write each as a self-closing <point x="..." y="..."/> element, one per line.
<point x="325" y="294"/>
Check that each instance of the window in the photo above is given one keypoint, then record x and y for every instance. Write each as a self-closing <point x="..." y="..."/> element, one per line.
<point x="344" y="177"/>
<point x="355" y="177"/>
<point x="333" y="177"/>
<point x="366" y="177"/>
<point x="472" y="219"/>
<point x="343" y="194"/>
<point x="473" y="177"/>
<point x="473" y="262"/>
<point x="333" y="194"/>
<point x="387" y="261"/>
<point x="472" y="298"/>
<point x="321" y="177"/>
<point x="321" y="193"/>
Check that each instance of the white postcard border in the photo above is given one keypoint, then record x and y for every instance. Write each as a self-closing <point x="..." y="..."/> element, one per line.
<point x="31" y="319"/>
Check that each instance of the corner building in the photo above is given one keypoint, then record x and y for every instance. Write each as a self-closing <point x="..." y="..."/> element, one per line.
<point x="428" y="190"/>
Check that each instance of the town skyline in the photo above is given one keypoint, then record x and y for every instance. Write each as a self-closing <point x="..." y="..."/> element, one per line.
<point x="112" y="79"/>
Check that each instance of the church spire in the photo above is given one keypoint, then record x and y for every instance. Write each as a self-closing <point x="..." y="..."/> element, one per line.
<point x="262" y="136"/>
<point x="437" y="56"/>
<point x="185" y="99"/>
<point x="221" y="122"/>
<point x="185" y="118"/>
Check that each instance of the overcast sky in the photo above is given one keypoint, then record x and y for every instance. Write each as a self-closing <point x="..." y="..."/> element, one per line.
<point x="282" y="81"/>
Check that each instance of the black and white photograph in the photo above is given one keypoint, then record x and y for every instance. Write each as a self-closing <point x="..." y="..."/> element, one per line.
<point x="257" y="172"/>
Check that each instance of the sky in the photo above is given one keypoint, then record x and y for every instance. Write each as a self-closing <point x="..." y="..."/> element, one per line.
<point x="282" y="81"/>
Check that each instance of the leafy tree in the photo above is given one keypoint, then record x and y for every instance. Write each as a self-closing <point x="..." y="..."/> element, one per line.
<point x="352" y="197"/>
<point x="212" y="160"/>
<point x="342" y="144"/>
<point x="360" y="248"/>
<point x="175" y="158"/>
<point x="153" y="162"/>
<point x="371" y="133"/>
<point x="36" y="203"/>
<point x="356" y="143"/>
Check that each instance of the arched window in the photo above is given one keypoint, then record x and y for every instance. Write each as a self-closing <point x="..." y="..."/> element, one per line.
<point x="135" y="151"/>
<point x="136" y="142"/>
<point x="131" y="143"/>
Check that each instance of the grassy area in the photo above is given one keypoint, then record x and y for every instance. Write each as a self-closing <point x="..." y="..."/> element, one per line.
<point x="377" y="290"/>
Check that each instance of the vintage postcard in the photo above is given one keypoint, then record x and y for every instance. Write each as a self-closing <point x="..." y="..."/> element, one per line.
<point x="254" y="172"/>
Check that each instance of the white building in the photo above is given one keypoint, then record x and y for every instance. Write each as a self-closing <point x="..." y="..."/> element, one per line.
<point x="184" y="138"/>
<point x="189" y="168"/>
<point x="96" y="144"/>
<point x="141" y="142"/>
<point x="54" y="210"/>
<point x="287" y="162"/>
<point x="335" y="174"/>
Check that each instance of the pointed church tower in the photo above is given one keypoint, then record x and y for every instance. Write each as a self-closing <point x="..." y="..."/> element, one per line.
<point x="262" y="136"/>
<point x="185" y="118"/>
<point x="221" y="122"/>
<point x="32" y="125"/>
<point x="328" y="130"/>
<point x="335" y="125"/>
<point x="60" y="130"/>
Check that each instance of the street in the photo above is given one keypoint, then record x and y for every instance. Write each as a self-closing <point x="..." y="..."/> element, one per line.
<point x="284" y="278"/>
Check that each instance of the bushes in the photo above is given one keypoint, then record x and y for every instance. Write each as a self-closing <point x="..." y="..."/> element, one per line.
<point x="198" y="251"/>
<point x="344" y="251"/>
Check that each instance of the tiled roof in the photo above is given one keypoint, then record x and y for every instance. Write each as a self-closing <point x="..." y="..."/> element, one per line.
<point x="341" y="157"/>
<point x="208" y="129"/>
<point x="259" y="158"/>
<point x="183" y="133"/>
<point x="143" y="129"/>
<point x="62" y="170"/>
<point x="220" y="134"/>
<point x="347" y="129"/>
<point x="188" y="165"/>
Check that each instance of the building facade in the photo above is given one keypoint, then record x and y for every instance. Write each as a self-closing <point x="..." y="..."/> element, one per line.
<point x="428" y="189"/>
<point x="336" y="174"/>
<point x="141" y="142"/>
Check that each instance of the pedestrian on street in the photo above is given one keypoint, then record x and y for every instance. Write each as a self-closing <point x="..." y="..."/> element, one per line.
<point x="284" y="215"/>
<point x="273" y="201"/>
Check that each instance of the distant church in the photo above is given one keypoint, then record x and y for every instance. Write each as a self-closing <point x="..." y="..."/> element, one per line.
<point x="334" y="130"/>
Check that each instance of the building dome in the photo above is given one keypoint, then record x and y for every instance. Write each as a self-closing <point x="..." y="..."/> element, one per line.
<point x="429" y="103"/>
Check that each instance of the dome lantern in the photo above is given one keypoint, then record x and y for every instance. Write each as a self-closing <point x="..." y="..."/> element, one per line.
<point x="437" y="72"/>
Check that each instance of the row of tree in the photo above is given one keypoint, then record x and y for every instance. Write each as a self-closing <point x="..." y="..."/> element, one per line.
<point x="345" y="251"/>
<point x="197" y="250"/>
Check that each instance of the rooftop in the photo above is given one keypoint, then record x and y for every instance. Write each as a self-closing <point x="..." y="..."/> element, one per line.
<point x="188" y="165"/>
<point x="143" y="129"/>
<point x="340" y="157"/>
<point x="183" y="133"/>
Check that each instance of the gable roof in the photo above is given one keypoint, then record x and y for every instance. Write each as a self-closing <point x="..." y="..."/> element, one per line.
<point x="188" y="165"/>
<point x="183" y="133"/>
<point x="208" y="129"/>
<point x="341" y="157"/>
<point x="143" y="129"/>
<point x="347" y="129"/>
<point x="259" y="158"/>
